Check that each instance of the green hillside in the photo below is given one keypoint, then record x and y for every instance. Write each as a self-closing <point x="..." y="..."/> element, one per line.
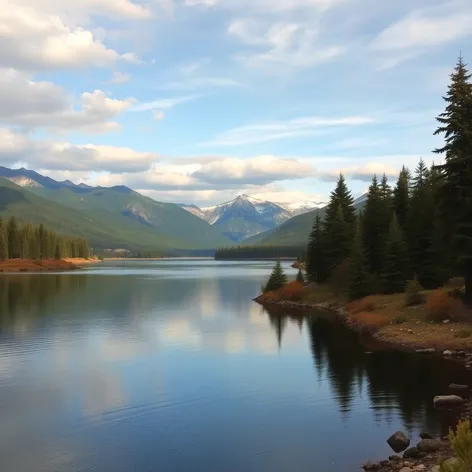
<point x="109" y="218"/>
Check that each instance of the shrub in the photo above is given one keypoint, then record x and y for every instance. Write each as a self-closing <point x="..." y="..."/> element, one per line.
<point x="277" y="278"/>
<point x="461" y="443"/>
<point x="365" y="304"/>
<point x="413" y="293"/>
<point x="292" y="291"/>
<point x="440" y="306"/>
<point x="370" y="321"/>
<point x="463" y="333"/>
<point x="456" y="282"/>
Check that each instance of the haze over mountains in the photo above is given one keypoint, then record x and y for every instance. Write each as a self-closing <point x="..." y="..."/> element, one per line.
<point x="119" y="217"/>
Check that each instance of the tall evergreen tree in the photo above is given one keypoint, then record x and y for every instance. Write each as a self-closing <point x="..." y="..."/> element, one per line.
<point x="277" y="278"/>
<point x="300" y="277"/>
<point x="401" y="197"/>
<point x="339" y="226"/>
<point x="3" y="241"/>
<point x="455" y="195"/>
<point x="359" y="276"/>
<point x="316" y="265"/>
<point x="394" y="273"/>
<point x="13" y="239"/>
<point x="373" y="228"/>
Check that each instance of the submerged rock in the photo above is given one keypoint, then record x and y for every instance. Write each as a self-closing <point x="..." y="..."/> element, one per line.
<point x="447" y="353"/>
<point x="429" y="445"/>
<point x="369" y="465"/>
<point x="426" y="436"/>
<point x="430" y="350"/>
<point x="398" y="441"/>
<point x="458" y="387"/>
<point x="411" y="453"/>
<point x="441" y="401"/>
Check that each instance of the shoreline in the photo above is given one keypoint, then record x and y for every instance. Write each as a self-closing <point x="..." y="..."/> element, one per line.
<point x="415" y="460"/>
<point x="13" y="266"/>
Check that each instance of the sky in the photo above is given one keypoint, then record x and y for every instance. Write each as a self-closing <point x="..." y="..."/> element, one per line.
<point x="197" y="101"/>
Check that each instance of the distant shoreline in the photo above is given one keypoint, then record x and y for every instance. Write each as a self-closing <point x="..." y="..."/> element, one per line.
<point x="155" y="258"/>
<point x="10" y="266"/>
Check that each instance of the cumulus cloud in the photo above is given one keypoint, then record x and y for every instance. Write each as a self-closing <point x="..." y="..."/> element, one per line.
<point x="18" y="148"/>
<point x="298" y="127"/>
<point x="257" y="171"/>
<point x="30" y="104"/>
<point x="292" y="44"/>
<point x="164" y="103"/>
<point x="32" y="39"/>
<point x="266" y="5"/>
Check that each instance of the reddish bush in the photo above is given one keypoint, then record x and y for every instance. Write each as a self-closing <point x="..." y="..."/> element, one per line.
<point x="440" y="306"/>
<point x="365" y="304"/>
<point x="369" y="320"/>
<point x="292" y="291"/>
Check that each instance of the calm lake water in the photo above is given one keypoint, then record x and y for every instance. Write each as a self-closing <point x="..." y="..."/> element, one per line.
<point x="169" y="366"/>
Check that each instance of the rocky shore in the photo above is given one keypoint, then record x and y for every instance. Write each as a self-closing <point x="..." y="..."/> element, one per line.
<point x="429" y="452"/>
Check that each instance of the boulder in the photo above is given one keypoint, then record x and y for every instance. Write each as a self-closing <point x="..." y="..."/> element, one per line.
<point x="394" y="458"/>
<point x="371" y="466"/>
<point x="458" y="387"/>
<point x="447" y="353"/>
<point x="420" y="468"/>
<point x="442" y="401"/>
<point x="411" y="453"/>
<point x="435" y="468"/>
<point x="406" y="469"/>
<point x="429" y="445"/>
<point x="398" y="441"/>
<point x="446" y="321"/>
<point x="430" y="350"/>
<point x="426" y="436"/>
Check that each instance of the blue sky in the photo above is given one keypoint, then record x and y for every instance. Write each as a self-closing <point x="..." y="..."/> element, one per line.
<point x="197" y="101"/>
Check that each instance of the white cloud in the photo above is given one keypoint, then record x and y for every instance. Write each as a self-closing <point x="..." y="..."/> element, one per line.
<point x="423" y="30"/>
<point x="164" y="103"/>
<point x="158" y="115"/>
<point x="266" y="5"/>
<point x="119" y="9"/>
<point x="119" y="78"/>
<point x="30" y="104"/>
<point x="45" y="154"/>
<point x="293" y="45"/>
<point x="195" y="83"/>
<point x="31" y="39"/>
<point x="298" y="127"/>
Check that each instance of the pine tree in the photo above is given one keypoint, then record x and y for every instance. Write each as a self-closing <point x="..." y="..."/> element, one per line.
<point x="277" y="278"/>
<point x="339" y="226"/>
<point x="300" y="277"/>
<point x="13" y="239"/>
<point x="401" y="197"/>
<point x="455" y="193"/>
<point x="373" y="227"/>
<point x="315" y="253"/>
<point x="394" y="274"/>
<point x="359" y="276"/>
<point x="3" y="241"/>
<point x="58" y="252"/>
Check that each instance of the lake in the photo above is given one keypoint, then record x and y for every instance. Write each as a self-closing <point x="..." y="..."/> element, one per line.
<point x="169" y="366"/>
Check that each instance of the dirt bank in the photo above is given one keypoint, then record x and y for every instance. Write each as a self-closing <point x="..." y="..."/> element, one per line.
<point x="43" y="265"/>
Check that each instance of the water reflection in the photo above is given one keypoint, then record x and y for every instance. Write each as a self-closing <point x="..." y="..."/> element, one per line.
<point x="393" y="381"/>
<point x="171" y="366"/>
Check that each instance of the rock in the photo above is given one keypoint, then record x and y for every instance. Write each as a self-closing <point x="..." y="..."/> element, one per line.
<point x="406" y="464"/>
<point x="429" y="445"/>
<point x="426" y="351"/>
<point x="435" y="468"/>
<point x="398" y="441"/>
<point x="441" y="401"/>
<point x="426" y="436"/>
<point x="447" y="353"/>
<point x="406" y="469"/>
<point x="422" y="455"/>
<point x="383" y="463"/>
<point x="411" y="453"/>
<point x="394" y="458"/>
<point x="371" y="465"/>
<point x="420" y="468"/>
<point x="458" y="387"/>
<point x="410" y="331"/>
<point x="446" y="321"/>
<point x="461" y="354"/>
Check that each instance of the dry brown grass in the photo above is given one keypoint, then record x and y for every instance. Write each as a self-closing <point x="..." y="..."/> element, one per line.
<point x="369" y="320"/>
<point x="364" y="305"/>
<point x="28" y="265"/>
<point x="440" y="306"/>
<point x="293" y="291"/>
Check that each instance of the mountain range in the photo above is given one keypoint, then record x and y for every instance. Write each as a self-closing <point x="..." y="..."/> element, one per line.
<point x="246" y="216"/>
